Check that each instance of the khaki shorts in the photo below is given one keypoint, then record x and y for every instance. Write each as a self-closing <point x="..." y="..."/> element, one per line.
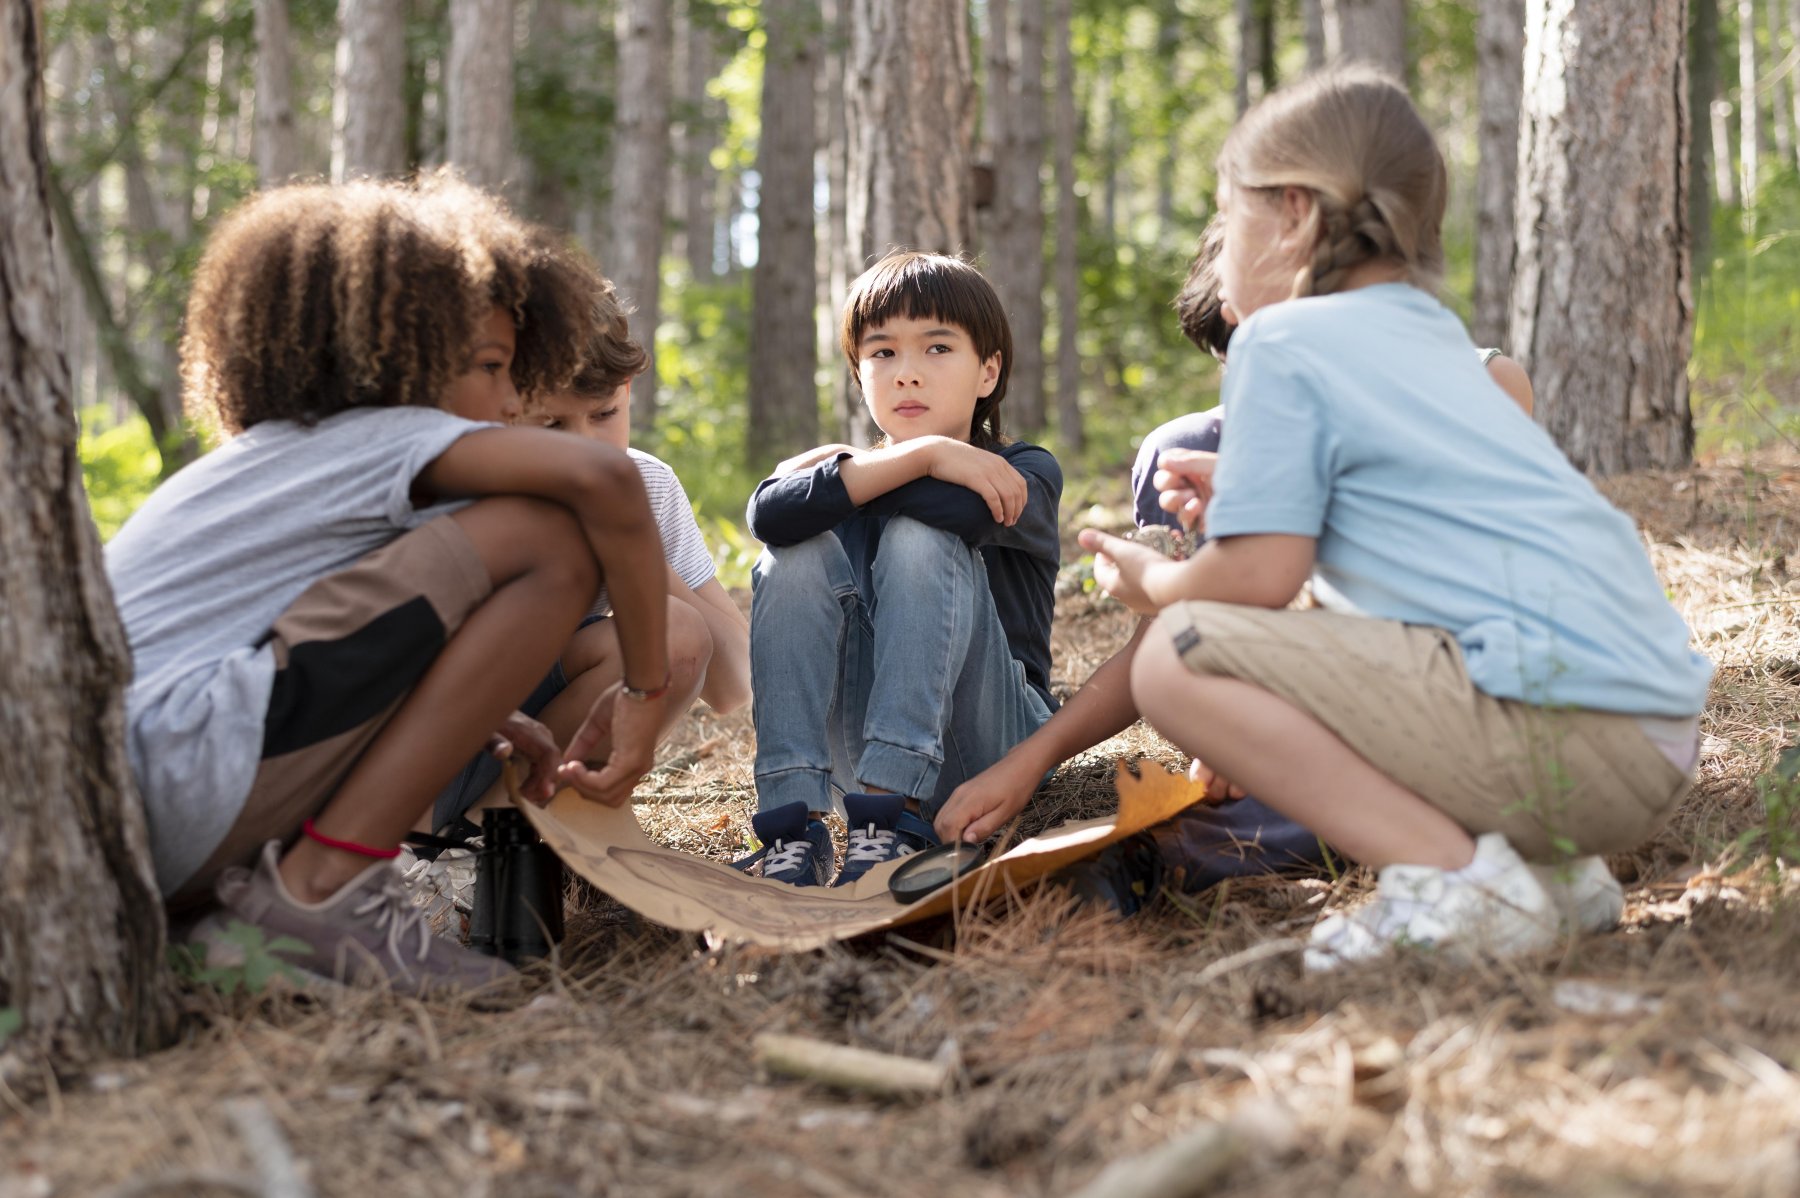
<point x="347" y="653"/>
<point x="1556" y="782"/>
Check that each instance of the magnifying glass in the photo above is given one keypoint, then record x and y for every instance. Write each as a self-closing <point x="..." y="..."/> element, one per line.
<point x="935" y="868"/>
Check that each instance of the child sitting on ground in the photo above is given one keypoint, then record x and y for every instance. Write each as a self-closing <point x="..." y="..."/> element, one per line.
<point x="338" y="606"/>
<point x="1496" y="675"/>
<point x="900" y="624"/>
<point x="709" y="639"/>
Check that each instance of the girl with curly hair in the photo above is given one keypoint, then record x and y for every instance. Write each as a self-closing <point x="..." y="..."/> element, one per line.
<point x="335" y="608"/>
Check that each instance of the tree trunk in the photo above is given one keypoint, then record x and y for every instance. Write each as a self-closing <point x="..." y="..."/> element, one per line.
<point x="640" y="199"/>
<point x="1246" y="45"/>
<point x="81" y="930"/>
<point x="1499" y="69"/>
<point x="699" y="132"/>
<point x="478" y="92"/>
<point x="1781" y="85"/>
<point x="368" y="104"/>
<point x="784" y="396"/>
<point x="846" y="403"/>
<point x="1015" y="261"/>
<point x="1372" y="31"/>
<point x="1312" y="21"/>
<point x="1793" y="19"/>
<point x="1068" y="268"/>
<point x="277" y="146"/>
<point x="1602" y="312"/>
<point x="1703" y="84"/>
<point x="911" y="109"/>
<point x="543" y="178"/>
<point x="1749" y="108"/>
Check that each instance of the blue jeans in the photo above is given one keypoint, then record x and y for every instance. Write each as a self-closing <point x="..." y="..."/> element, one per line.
<point x="896" y="677"/>
<point x="1234" y="839"/>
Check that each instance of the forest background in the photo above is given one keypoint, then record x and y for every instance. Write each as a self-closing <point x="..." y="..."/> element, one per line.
<point x="636" y="127"/>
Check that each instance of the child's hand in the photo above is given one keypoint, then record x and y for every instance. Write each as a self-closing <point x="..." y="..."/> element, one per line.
<point x="1184" y="481"/>
<point x="811" y="458"/>
<point x="1217" y="786"/>
<point x="521" y="734"/>
<point x="632" y="727"/>
<point x="985" y="803"/>
<point x="1120" y="567"/>
<point x="987" y="474"/>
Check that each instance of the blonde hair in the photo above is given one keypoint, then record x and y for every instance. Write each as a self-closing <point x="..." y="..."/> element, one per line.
<point x="1352" y="138"/>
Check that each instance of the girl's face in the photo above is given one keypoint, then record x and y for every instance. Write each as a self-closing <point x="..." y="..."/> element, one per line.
<point x="485" y="390"/>
<point x="1264" y="247"/>
<point x="606" y="420"/>
<point x="922" y="377"/>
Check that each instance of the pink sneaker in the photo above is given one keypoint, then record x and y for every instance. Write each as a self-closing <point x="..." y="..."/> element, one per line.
<point x="368" y="933"/>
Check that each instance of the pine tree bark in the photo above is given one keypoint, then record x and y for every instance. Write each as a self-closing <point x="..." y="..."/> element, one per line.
<point x="277" y="144"/>
<point x="1312" y="24"/>
<point x="784" y="397"/>
<point x="368" y="104"/>
<point x="699" y="133"/>
<point x="1244" y="59"/>
<point x="478" y="90"/>
<point x="1602" y="311"/>
<point x="1068" y="269"/>
<point x="1749" y="107"/>
<point x="1793" y="21"/>
<point x="1372" y="31"/>
<point x="81" y="929"/>
<point x="1017" y="264"/>
<point x="845" y="402"/>
<point x="1499" y="72"/>
<point x="911" y="113"/>
<point x="640" y="199"/>
<point x="1703" y="85"/>
<point x="1781" y="86"/>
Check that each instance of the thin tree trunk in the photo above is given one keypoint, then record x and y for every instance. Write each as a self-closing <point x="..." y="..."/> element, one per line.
<point x="277" y="147"/>
<point x="1268" y="45"/>
<point x="1312" y="22"/>
<point x="846" y="403"/>
<point x="1793" y="22"/>
<point x="1703" y="84"/>
<point x="368" y="104"/>
<point x="1022" y="178"/>
<point x="1068" y="268"/>
<point x="1724" y="177"/>
<point x="1244" y="60"/>
<point x="1780" y="85"/>
<point x="1372" y="31"/>
<point x="699" y="209"/>
<point x="81" y="930"/>
<point x="1602" y="313"/>
<point x="544" y="183"/>
<point x="910" y="96"/>
<point x="478" y="89"/>
<point x="1499" y="70"/>
<point x="1749" y="109"/>
<point x="784" y="398"/>
<point x="640" y="200"/>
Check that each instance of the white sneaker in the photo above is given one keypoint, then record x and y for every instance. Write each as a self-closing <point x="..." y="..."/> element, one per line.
<point x="1585" y="892"/>
<point x="1494" y="906"/>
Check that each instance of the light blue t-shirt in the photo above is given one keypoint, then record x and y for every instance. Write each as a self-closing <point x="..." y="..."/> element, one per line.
<point x="1366" y="420"/>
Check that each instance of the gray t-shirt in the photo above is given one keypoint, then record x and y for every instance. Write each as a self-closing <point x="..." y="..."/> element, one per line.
<point x="203" y="569"/>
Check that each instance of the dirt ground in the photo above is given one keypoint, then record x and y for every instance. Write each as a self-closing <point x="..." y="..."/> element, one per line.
<point x="1660" y="1059"/>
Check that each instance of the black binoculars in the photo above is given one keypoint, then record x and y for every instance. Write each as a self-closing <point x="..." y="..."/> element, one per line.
<point x="518" y="911"/>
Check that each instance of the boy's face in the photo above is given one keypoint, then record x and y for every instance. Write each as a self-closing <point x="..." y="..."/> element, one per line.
<point x="607" y="420"/>
<point x="922" y="377"/>
<point x="485" y="390"/>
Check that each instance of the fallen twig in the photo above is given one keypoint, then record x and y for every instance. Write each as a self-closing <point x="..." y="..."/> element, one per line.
<point x="1188" y="1164"/>
<point x="276" y="1167"/>
<point x="858" y="1069"/>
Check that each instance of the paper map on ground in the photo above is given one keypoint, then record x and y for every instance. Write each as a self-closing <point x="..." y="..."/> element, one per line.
<point x="606" y="846"/>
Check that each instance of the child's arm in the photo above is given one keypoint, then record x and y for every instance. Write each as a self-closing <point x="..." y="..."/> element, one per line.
<point x="1260" y="570"/>
<point x="727" y="685"/>
<point x="602" y="488"/>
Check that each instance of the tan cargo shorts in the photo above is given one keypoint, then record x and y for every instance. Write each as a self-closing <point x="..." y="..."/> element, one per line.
<point x="1556" y="782"/>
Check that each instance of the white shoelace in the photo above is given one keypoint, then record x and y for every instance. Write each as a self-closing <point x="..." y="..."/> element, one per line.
<point x="874" y="845"/>
<point x="395" y="914"/>
<point x="785" y="855"/>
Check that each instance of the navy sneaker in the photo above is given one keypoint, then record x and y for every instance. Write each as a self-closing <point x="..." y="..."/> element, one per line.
<point x="880" y="828"/>
<point x="1122" y="878"/>
<point x="796" y="847"/>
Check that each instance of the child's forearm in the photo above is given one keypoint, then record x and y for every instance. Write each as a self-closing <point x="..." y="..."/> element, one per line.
<point x="873" y="473"/>
<point x="615" y="517"/>
<point x="1102" y="708"/>
<point x="1257" y="571"/>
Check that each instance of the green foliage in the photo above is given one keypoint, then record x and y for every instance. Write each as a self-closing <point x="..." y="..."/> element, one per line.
<point x="11" y="1020"/>
<point x="258" y="960"/>
<point x="1747" y="327"/>
<point x="1778" y="791"/>
<point x="119" y="464"/>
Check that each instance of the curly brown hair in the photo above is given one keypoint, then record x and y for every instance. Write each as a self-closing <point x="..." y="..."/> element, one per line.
<point x="611" y="358"/>
<point x="312" y="299"/>
<point x="1199" y="306"/>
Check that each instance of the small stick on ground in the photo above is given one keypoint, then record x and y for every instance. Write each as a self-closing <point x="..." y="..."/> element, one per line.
<point x="1186" y="1165"/>
<point x="847" y="1068"/>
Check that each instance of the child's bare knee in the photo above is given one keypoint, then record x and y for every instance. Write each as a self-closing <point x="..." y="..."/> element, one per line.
<point x="690" y="641"/>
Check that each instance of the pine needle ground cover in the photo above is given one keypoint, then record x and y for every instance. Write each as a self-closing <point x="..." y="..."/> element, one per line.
<point x="1661" y="1059"/>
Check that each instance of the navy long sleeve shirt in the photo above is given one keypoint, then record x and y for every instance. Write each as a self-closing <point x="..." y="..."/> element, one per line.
<point x="1021" y="559"/>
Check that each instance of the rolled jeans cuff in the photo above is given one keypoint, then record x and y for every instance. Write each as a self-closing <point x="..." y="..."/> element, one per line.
<point x="898" y="769"/>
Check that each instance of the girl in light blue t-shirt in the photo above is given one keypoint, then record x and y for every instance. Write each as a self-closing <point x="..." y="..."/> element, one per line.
<point x="1495" y="689"/>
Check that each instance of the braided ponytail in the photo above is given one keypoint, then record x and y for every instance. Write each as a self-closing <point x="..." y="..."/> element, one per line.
<point x="1353" y="140"/>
